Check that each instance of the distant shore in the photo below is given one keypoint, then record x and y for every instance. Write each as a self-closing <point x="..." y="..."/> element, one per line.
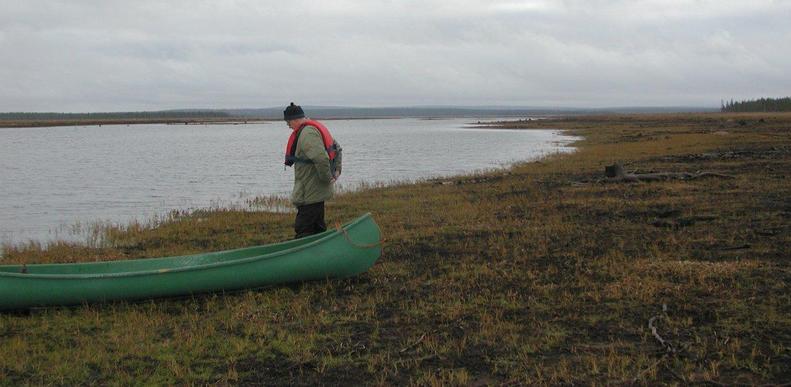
<point x="99" y="122"/>
<point x="172" y="121"/>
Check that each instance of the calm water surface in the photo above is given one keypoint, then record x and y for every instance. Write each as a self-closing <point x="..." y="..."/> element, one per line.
<point x="53" y="180"/>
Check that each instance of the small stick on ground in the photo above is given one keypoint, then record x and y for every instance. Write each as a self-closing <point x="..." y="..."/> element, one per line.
<point x="413" y="344"/>
<point x="665" y="344"/>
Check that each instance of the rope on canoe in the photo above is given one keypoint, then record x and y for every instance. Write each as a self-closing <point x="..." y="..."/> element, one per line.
<point x="353" y="243"/>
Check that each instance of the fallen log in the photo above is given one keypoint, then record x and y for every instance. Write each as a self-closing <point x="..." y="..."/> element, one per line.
<point x="616" y="173"/>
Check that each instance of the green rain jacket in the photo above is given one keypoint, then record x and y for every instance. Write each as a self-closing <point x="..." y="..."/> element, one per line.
<point x="311" y="170"/>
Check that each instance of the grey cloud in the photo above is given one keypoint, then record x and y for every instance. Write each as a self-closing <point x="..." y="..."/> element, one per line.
<point x="114" y="55"/>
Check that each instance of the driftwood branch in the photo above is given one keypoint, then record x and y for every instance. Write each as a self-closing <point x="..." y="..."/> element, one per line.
<point x="668" y="348"/>
<point x="616" y="173"/>
<point x="665" y="344"/>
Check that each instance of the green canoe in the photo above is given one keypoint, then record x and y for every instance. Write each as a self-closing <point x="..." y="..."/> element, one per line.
<point x="336" y="253"/>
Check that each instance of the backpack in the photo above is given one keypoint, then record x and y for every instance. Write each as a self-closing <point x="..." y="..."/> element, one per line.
<point x="335" y="162"/>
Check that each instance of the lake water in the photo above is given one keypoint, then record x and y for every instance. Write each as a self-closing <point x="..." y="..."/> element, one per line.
<point x="54" y="179"/>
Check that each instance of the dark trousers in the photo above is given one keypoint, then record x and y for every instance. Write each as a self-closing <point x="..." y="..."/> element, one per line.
<point x="310" y="220"/>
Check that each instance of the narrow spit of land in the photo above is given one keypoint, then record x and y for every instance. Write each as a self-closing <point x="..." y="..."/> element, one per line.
<point x="545" y="273"/>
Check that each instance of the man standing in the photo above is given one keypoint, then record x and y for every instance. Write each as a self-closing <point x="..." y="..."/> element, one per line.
<point x="313" y="178"/>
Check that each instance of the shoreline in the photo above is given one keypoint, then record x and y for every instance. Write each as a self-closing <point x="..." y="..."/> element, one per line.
<point x="87" y="231"/>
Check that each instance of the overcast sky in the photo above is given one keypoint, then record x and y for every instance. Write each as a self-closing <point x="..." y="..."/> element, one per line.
<point x="109" y="55"/>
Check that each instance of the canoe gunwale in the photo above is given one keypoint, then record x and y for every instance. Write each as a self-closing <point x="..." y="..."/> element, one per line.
<point x="334" y="234"/>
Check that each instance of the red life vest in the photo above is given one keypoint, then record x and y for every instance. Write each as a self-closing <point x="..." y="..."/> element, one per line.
<point x="326" y="137"/>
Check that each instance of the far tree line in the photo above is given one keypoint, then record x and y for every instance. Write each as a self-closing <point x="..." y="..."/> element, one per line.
<point x="757" y="105"/>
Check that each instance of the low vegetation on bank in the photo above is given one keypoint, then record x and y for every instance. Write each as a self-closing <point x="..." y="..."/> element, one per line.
<point x="545" y="273"/>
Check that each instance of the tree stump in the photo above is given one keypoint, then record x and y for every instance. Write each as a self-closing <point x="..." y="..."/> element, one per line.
<point x="615" y="170"/>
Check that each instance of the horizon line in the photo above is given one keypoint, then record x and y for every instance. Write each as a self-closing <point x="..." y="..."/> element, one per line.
<point x="460" y="107"/>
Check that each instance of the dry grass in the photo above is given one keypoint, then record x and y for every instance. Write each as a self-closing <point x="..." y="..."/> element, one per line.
<point x="541" y="274"/>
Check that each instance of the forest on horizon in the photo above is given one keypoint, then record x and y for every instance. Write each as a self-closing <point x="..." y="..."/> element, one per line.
<point x="757" y="105"/>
